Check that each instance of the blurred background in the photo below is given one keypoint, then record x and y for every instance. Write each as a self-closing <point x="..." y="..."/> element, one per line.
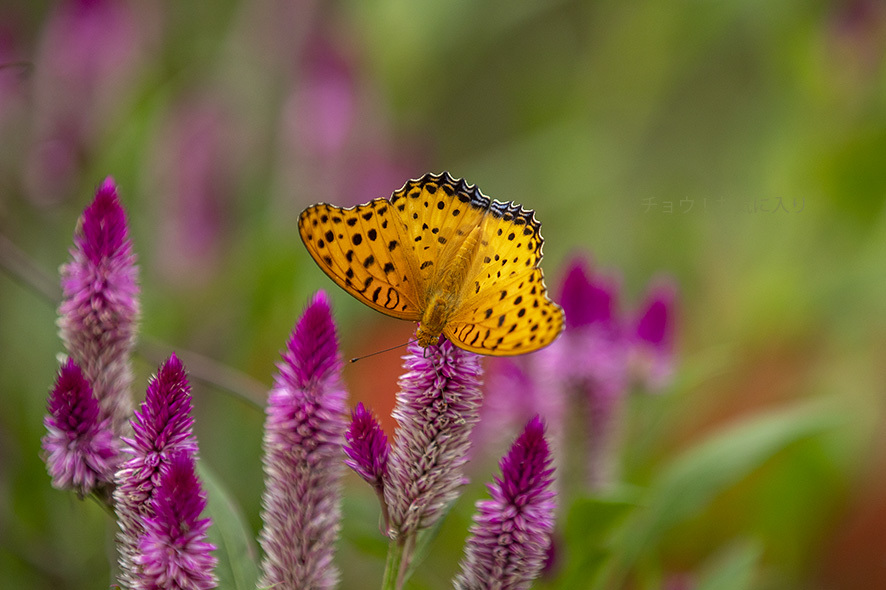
<point x="737" y="146"/>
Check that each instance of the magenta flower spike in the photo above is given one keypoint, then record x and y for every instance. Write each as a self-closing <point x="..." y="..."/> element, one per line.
<point x="511" y="534"/>
<point x="590" y="299"/>
<point x="588" y="364"/>
<point x="367" y="447"/>
<point x="652" y="349"/>
<point x="512" y="394"/>
<point x="304" y="433"/>
<point x="161" y="428"/>
<point x="81" y="451"/>
<point x="174" y="553"/>
<point x="436" y="408"/>
<point x="100" y="308"/>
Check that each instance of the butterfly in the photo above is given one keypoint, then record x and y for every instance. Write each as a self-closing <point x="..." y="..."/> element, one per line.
<point x="441" y="253"/>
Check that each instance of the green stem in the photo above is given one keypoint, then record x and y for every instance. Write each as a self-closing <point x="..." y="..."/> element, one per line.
<point x="392" y="567"/>
<point x="400" y="554"/>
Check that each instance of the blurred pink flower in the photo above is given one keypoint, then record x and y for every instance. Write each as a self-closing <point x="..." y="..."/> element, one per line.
<point x="652" y="346"/>
<point x="195" y="183"/>
<point x="324" y="102"/>
<point x="89" y="56"/>
<point x="588" y="363"/>
<point x="100" y="308"/>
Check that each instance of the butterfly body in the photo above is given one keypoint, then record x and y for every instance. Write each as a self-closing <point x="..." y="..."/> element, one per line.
<point x="441" y="253"/>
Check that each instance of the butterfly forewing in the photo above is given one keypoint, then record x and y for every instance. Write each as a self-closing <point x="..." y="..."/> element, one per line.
<point x="435" y="214"/>
<point x="362" y="250"/>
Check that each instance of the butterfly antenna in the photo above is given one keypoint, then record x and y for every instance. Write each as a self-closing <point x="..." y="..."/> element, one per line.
<point x="360" y="358"/>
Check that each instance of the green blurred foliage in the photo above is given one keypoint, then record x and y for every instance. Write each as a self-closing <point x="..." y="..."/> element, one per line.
<point x="659" y="137"/>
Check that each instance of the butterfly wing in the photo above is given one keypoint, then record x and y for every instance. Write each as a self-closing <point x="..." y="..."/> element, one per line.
<point x="436" y="213"/>
<point x="362" y="249"/>
<point x="505" y="309"/>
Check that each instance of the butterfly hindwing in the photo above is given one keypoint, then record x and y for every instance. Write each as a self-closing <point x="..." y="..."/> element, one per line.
<point x="505" y="308"/>
<point x="361" y="249"/>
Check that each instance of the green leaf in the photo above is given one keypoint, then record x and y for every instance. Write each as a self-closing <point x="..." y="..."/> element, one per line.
<point x="732" y="568"/>
<point x="693" y="479"/>
<point x="589" y="525"/>
<point x="236" y="551"/>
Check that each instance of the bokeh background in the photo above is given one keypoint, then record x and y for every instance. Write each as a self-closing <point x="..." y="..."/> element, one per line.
<point x="737" y="146"/>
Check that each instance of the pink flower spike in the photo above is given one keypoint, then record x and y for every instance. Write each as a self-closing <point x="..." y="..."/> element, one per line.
<point x="304" y="433"/>
<point x="100" y="308"/>
<point x="367" y="447"/>
<point x="588" y="298"/>
<point x="437" y="407"/>
<point x="652" y="350"/>
<point x="162" y="428"/>
<point x="511" y="534"/>
<point x="81" y="451"/>
<point x="589" y="365"/>
<point x="174" y="553"/>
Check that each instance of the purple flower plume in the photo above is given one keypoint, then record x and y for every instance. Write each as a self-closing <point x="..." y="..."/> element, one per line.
<point x="161" y="428"/>
<point x="437" y="406"/>
<point x="81" y="451"/>
<point x="588" y="364"/>
<point x="367" y="450"/>
<point x="367" y="447"/>
<point x="304" y="433"/>
<point x="587" y="299"/>
<point x="174" y="554"/>
<point x="511" y="534"/>
<point x="100" y="308"/>
<point x="652" y="350"/>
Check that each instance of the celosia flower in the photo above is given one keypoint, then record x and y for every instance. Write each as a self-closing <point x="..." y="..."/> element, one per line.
<point x="512" y="531"/>
<point x="81" y="450"/>
<point x="174" y="552"/>
<point x="436" y="408"/>
<point x="367" y="450"/>
<point x="588" y="364"/>
<point x="324" y="105"/>
<point x="512" y="394"/>
<point x="195" y="179"/>
<point x="304" y="432"/>
<point x="367" y="447"/>
<point x="652" y="349"/>
<point x="161" y="428"/>
<point x="593" y="350"/>
<point x="86" y="63"/>
<point x="98" y="314"/>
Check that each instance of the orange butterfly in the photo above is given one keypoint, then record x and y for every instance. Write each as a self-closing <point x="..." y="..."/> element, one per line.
<point x="441" y="253"/>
